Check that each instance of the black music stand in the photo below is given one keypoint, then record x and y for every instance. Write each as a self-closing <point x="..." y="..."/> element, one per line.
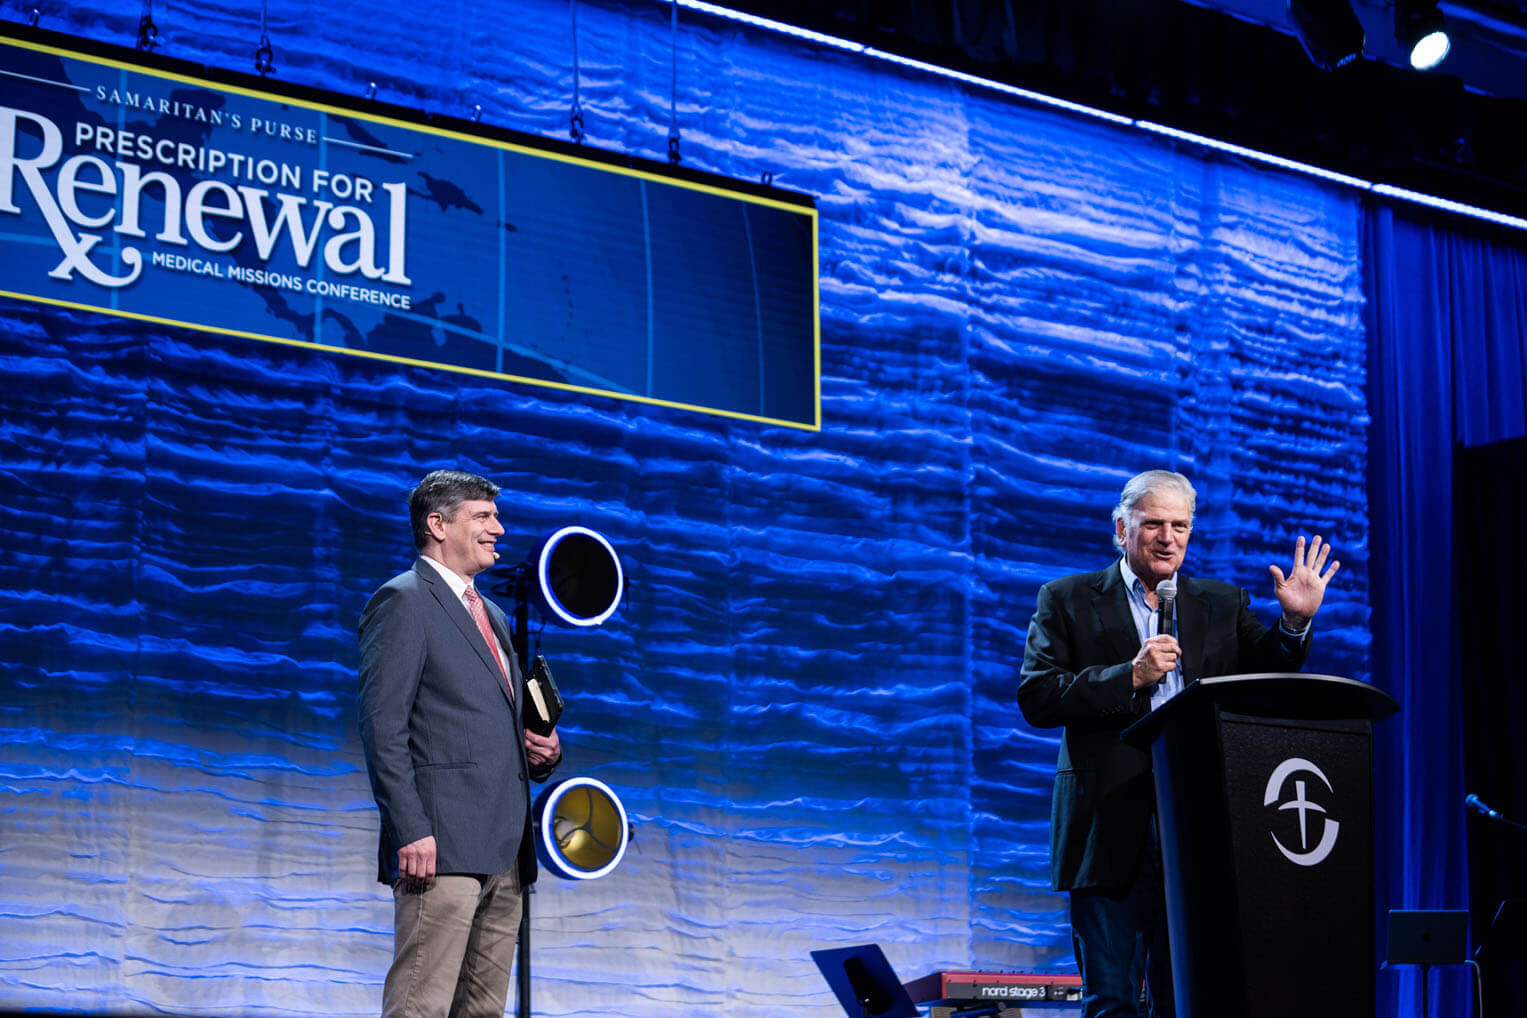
<point x="1503" y="948"/>
<point x="1427" y="937"/>
<point x="864" y="983"/>
<point x="1506" y="939"/>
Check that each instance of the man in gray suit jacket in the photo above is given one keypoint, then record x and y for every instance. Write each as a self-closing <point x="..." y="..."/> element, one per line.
<point x="1094" y="662"/>
<point x="449" y="760"/>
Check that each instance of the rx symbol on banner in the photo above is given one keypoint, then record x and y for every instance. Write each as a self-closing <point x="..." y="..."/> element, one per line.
<point x="1303" y="806"/>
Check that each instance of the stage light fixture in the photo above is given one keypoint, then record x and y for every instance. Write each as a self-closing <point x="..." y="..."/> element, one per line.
<point x="582" y="830"/>
<point x="1420" y="28"/>
<point x="1329" y="31"/>
<point x="576" y="577"/>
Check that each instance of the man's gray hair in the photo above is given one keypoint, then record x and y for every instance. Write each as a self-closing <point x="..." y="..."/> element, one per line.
<point x="1150" y="482"/>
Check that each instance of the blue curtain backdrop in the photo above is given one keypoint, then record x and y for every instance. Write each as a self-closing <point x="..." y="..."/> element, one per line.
<point x="1447" y="314"/>
<point x="807" y="702"/>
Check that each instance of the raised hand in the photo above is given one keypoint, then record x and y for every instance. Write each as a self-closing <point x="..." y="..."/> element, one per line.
<point x="1302" y="590"/>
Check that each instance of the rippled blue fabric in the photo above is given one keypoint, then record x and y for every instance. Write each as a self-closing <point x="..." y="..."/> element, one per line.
<point x="807" y="702"/>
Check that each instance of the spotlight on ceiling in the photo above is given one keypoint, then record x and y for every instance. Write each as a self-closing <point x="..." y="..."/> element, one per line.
<point x="1418" y="26"/>
<point x="1329" y="31"/>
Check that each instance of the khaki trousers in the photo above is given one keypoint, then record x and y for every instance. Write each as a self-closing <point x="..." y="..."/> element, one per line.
<point x="453" y="947"/>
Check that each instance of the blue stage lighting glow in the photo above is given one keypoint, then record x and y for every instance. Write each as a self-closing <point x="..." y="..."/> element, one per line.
<point x="774" y="26"/>
<point x="996" y="86"/>
<point x="1447" y="205"/>
<point x="1267" y="158"/>
<point x="1292" y="165"/>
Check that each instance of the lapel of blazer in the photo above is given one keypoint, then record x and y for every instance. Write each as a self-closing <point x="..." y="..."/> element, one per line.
<point x="500" y="624"/>
<point x="457" y="612"/>
<point x="1192" y="625"/>
<point x="1111" y="603"/>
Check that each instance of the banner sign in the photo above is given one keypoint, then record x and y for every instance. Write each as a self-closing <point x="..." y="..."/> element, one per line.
<point x="217" y="201"/>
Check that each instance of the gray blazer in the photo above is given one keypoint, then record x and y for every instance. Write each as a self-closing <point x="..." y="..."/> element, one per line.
<point x="442" y="737"/>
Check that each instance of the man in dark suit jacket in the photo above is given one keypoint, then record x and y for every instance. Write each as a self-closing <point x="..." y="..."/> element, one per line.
<point x="1095" y="663"/>
<point x="449" y="760"/>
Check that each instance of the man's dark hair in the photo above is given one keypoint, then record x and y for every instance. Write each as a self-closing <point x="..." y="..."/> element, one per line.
<point x="443" y="491"/>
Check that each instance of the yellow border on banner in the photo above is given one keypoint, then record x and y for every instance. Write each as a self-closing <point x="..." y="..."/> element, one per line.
<point x="414" y="362"/>
<point x="594" y="164"/>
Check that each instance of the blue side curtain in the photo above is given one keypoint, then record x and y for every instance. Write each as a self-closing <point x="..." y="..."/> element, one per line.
<point x="1446" y="317"/>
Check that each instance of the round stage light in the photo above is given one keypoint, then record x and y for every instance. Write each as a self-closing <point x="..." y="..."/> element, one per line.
<point x="578" y="578"/>
<point x="1430" y="50"/>
<point x="582" y="829"/>
<point x="1421" y="29"/>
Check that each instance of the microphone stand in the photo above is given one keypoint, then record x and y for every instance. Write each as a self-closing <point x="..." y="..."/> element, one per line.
<point x="520" y="636"/>
<point x="1473" y="802"/>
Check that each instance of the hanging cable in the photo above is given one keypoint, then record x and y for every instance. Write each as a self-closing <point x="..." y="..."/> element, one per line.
<point x="265" y="57"/>
<point x="673" y="106"/>
<point x="575" y="121"/>
<point x="148" y="35"/>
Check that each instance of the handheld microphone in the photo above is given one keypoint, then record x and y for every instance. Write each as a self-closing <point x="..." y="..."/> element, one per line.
<point x="1166" y="597"/>
<point x="1474" y="802"/>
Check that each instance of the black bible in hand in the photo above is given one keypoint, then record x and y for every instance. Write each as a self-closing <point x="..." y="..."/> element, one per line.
<point x="543" y="704"/>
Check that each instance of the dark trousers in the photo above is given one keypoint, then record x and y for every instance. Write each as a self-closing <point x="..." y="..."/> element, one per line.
<point x="1120" y="941"/>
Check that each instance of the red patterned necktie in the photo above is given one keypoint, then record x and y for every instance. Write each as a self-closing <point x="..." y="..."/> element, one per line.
<point x="480" y="616"/>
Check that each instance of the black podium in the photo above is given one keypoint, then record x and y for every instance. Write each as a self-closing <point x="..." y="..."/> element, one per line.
<point x="1265" y="802"/>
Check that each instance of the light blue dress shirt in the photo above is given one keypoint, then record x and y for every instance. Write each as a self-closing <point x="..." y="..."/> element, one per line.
<point x="1147" y="620"/>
